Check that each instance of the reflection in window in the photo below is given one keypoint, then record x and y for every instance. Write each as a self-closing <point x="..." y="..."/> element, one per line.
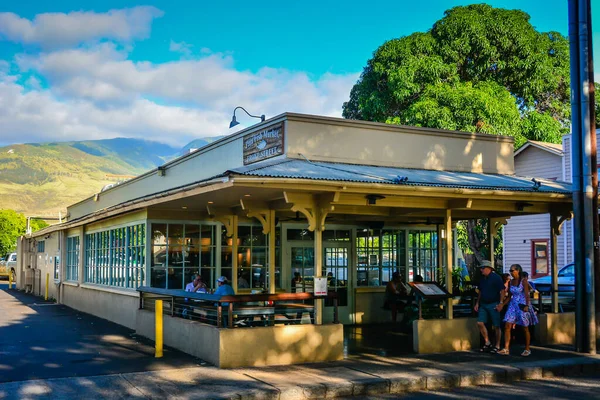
<point x="180" y="251"/>
<point x="423" y="253"/>
<point x="253" y="257"/>
<point x="380" y="252"/>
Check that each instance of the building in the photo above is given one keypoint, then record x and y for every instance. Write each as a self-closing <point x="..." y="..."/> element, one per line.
<point x="294" y="194"/>
<point x="526" y="239"/>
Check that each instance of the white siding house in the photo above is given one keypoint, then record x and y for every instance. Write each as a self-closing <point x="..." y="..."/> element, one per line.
<point x="523" y="234"/>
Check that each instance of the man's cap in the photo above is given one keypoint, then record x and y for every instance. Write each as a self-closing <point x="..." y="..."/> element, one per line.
<point x="485" y="263"/>
<point x="222" y="279"/>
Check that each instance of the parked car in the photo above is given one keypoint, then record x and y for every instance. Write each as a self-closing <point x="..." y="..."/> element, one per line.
<point x="566" y="281"/>
<point x="8" y="266"/>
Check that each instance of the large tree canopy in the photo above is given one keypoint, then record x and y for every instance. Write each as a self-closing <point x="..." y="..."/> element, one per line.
<point x="13" y="225"/>
<point x="479" y="69"/>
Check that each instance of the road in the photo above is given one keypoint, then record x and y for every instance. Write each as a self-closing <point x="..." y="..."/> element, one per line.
<point x="576" y="388"/>
<point x="40" y="340"/>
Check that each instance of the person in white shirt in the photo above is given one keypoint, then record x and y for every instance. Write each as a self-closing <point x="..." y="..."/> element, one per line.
<point x="196" y="286"/>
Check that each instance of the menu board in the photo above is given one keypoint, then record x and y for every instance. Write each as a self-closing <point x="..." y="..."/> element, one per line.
<point x="430" y="289"/>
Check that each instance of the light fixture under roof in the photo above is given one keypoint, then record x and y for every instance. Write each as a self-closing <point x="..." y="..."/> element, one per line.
<point x="211" y="202"/>
<point x="247" y="195"/>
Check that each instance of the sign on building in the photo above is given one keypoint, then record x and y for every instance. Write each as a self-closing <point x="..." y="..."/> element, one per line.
<point x="265" y="144"/>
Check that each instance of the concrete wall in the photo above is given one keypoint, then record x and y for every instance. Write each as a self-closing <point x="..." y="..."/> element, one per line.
<point x="119" y="306"/>
<point x="245" y="347"/>
<point x="445" y="335"/>
<point x="326" y="139"/>
<point x="556" y="328"/>
<point x="368" y="303"/>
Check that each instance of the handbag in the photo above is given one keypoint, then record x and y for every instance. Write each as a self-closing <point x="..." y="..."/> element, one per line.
<point x="522" y="306"/>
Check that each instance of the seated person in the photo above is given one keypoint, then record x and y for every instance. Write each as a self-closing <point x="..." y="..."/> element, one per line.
<point x="242" y="282"/>
<point x="196" y="285"/>
<point x="393" y="291"/>
<point x="330" y="279"/>
<point x="224" y="288"/>
<point x="296" y="282"/>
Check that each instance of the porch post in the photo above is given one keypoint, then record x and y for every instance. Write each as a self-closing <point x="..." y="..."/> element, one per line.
<point x="554" y="261"/>
<point x="318" y="271"/>
<point x="271" y="220"/>
<point x="440" y="246"/>
<point x="234" y="253"/>
<point x="449" y="260"/>
<point x="491" y="234"/>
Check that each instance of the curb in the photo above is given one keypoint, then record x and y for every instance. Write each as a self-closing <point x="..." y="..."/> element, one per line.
<point x="440" y="379"/>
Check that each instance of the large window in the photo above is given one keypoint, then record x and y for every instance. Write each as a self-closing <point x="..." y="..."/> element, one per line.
<point x="179" y="251"/>
<point x="253" y="256"/>
<point x="380" y="252"/>
<point x="72" y="264"/>
<point x="41" y="246"/>
<point x="539" y="257"/>
<point x="116" y="257"/>
<point x="423" y="253"/>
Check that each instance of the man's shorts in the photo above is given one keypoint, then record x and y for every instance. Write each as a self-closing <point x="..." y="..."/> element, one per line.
<point x="488" y="312"/>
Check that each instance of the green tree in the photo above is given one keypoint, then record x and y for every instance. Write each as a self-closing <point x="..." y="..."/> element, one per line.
<point x="478" y="69"/>
<point x="13" y="225"/>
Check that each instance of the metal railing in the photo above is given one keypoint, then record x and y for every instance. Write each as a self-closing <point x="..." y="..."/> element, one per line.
<point x="236" y="311"/>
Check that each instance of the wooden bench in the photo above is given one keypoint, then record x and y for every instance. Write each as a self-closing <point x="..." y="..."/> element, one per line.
<point x="295" y="311"/>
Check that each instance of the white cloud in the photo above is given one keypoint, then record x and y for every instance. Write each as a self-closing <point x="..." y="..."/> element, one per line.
<point x="60" y="30"/>
<point x="104" y="75"/>
<point x="181" y="47"/>
<point x="39" y="116"/>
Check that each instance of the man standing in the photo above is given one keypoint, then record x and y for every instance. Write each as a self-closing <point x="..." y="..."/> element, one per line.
<point x="491" y="289"/>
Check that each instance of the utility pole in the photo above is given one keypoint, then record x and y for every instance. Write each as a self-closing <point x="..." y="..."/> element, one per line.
<point x="585" y="174"/>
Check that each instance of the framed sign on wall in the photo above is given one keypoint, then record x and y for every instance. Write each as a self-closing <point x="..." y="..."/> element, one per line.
<point x="264" y="144"/>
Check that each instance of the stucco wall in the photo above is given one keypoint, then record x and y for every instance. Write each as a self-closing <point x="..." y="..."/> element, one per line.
<point x="369" y="307"/>
<point x="556" y="328"/>
<point x="445" y="335"/>
<point x="374" y="144"/>
<point x="114" y="305"/>
<point x="258" y="346"/>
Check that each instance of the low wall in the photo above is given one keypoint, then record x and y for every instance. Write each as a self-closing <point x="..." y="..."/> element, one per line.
<point x="556" y="328"/>
<point x="368" y="306"/>
<point x="245" y="347"/>
<point x="445" y="335"/>
<point x="110" y="304"/>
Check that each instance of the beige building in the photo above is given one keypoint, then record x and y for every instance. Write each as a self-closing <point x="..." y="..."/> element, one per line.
<point x="296" y="195"/>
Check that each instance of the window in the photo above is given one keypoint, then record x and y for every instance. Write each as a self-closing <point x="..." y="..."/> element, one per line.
<point x="539" y="257"/>
<point x="423" y="254"/>
<point x="253" y="256"/>
<point x="179" y="251"/>
<point x="380" y="252"/>
<point x="116" y="257"/>
<point x="72" y="265"/>
<point x="41" y="246"/>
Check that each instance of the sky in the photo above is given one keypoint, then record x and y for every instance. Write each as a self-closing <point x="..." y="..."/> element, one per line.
<point x="173" y="71"/>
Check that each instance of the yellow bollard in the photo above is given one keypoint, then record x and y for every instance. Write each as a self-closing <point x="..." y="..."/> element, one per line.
<point x="47" y="283"/>
<point x="158" y="309"/>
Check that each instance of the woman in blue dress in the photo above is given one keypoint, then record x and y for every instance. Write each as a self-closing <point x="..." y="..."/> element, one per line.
<point x="519" y="311"/>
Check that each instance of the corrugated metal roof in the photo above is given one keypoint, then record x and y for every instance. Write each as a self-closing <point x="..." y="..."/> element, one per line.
<point x="327" y="171"/>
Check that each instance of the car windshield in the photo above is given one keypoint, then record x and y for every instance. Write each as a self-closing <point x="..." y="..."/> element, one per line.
<point x="569" y="270"/>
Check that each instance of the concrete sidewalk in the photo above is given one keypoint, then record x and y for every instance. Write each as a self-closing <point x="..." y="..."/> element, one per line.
<point x="360" y="376"/>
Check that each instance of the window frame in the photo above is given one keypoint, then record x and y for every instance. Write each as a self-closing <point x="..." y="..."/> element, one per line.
<point x="534" y="272"/>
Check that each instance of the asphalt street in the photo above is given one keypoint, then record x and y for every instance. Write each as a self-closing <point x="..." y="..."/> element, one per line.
<point x="40" y="340"/>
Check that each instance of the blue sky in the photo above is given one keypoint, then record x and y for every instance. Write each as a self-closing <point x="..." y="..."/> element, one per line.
<point x="172" y="71"/>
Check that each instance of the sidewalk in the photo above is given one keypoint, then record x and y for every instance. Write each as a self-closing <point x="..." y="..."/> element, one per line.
<point x="353" y="377"/>
<point x="53" y="352"/>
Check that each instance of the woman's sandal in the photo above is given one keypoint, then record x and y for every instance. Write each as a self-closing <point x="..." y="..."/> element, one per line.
<point x="503" y="352"/>
<point x="486" y="347"/>
<point x="526" y="353"/>
<point x="494" y="350"/>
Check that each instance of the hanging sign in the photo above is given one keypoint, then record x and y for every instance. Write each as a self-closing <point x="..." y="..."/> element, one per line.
<point x="264" y="144"/>
<point x="320" y="286"/>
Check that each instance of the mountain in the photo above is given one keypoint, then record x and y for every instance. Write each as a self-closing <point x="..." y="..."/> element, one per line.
<point x="41" y="179"/>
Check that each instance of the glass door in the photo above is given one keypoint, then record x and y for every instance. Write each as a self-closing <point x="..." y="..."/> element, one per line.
<point x="336" y="269"/>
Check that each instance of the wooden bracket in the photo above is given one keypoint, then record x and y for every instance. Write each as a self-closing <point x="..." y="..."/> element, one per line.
<point x="258" y="210"/>
<point x="558" y="222"/>
<point x="314" y="207"/>
<point x="224" y="216"/>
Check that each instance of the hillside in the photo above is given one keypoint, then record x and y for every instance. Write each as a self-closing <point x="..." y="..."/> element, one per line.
<point x="43" y="178"/>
